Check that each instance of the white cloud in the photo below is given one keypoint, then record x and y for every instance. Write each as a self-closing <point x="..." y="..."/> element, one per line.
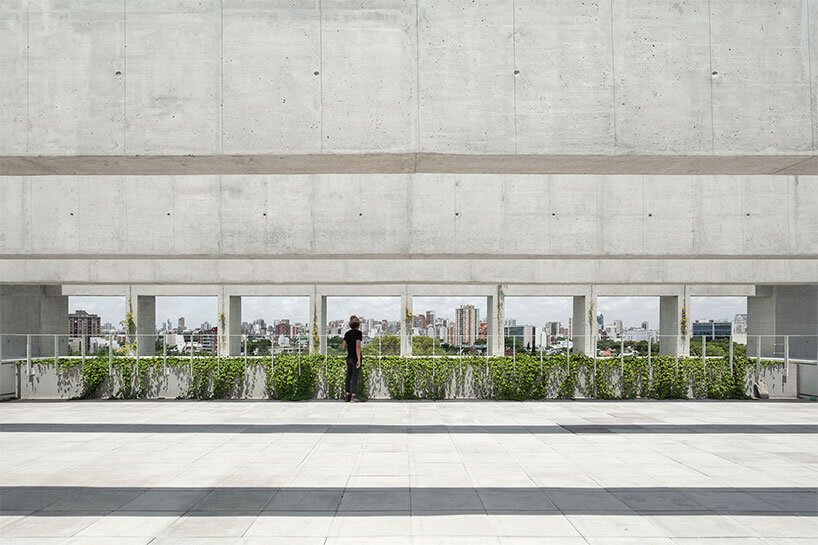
<point x="526" y="310"/>
<point x="295" y="309"/>
<point x="631" y="310"/>
<point x="717" y="308"/>
<point x="109" y="309"/>
<point x="444" y="306"/>
<point x="378" y="308"/>
<point x="537" y="311"/>
<point x="195" y="310"/>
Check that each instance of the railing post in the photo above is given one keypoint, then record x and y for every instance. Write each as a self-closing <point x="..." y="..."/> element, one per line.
<point x="82" y="349"/>
<point x="594" y="348"/>
<point x="110" y="354"/>
<point x="56" y="349"/>
<point x="245" y="350"/>
<point x="165" y="355"/>
<point x="758" y="357"/>
<point x="568" y="354"/>
<point x="29" y="370"/>
<point x="786" y="357"/>
<point x="622" y="352"/>
<point x="731" y="354"/>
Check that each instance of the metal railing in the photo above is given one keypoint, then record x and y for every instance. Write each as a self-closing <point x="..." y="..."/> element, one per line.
<point x="800" y="350"/>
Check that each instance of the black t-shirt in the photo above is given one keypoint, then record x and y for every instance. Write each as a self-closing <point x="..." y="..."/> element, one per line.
<point x="350" y="337"/>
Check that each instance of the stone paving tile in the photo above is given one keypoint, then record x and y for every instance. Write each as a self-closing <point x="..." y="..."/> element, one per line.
<point x="423" y="473"/>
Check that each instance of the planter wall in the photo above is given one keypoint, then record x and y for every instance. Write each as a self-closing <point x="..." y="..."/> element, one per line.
<point x="319" y="377"/>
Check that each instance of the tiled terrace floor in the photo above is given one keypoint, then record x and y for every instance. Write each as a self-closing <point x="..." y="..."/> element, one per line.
<point x="392" y="473"/>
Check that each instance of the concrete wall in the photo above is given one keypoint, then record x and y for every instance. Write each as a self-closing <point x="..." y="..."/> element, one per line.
<point x="422" y="214"/>
<point x="454" y="76"/>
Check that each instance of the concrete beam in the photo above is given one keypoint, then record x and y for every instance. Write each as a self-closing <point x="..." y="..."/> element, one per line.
<point x="408" y="163"/>
<point x="426" y="276"/>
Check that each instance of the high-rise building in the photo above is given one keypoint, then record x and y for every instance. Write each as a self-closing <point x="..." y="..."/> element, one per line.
<point x="85" y="325"/>
<point x="466" y="318"/>
<point x="740" y="324"/>
<point x="180" y="327"/>
<point x="645" y="326"/>
<point x="282" y="327"/>
<point x="618" y="327"/>
<point x="524" y="334"/>
<point x="430" y="318"/>
<point x="721" y="329"/>
<point x="600" y="321"/>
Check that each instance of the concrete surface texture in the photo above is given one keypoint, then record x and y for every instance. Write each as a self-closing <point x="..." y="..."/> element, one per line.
<point x="399" y="214"/>
<point x="175" y="77"/>
<point x="665" y="473"/>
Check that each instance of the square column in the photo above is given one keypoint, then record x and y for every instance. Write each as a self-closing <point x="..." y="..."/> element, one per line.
<point x="229" y="324"/>
<point x="318" y="323"/>
<point x="495" y="320"/>
<point x="584" y="324"/>
<point x="779" y="311"/>
<point x="406" y="324"/>
<point x="40" y="311"/>
<point x="145" y="325"/>
<point x="674" y="324"/>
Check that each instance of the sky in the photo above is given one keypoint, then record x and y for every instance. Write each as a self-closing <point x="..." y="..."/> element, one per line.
<point x="526" y="310"/>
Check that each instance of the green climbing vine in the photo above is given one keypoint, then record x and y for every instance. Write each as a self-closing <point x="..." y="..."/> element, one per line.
<point x="522" y="377"/>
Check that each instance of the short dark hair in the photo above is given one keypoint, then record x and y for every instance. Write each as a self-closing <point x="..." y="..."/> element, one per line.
<point x="354" y="322"/>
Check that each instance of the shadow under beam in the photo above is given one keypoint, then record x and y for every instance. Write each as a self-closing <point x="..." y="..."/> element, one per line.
<point x="40" y="427"/>
<point x="48" y="501"/>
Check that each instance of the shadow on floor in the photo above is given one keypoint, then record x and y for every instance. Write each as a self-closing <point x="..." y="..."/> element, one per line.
<point x="36" y="427"/>
<point x="297" y="501"/>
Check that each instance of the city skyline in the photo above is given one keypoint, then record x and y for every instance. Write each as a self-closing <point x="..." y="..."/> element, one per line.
<point x="525" y="310"/>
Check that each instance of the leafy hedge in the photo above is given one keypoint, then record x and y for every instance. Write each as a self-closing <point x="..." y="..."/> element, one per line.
<point x="292" y="377"/>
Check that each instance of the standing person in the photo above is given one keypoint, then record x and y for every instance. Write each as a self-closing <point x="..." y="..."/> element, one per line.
<point x="352" y="344"/>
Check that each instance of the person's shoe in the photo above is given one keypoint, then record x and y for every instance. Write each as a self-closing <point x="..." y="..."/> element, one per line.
<point x="347" y="396"/>
<point x="354" y="399"/>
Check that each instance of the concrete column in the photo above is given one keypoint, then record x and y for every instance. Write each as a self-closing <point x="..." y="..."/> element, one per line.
<point x="145" y="319"/>
<point x="318" y="323"/>
<point x="584" y="324"/>
<point x="41" y="311"/>
<point x="229" y="324"/>
<point x="407" y="324"/>
<point x="761" y="322"/>
<point x="674" y="324"/>
<point x="495" y="320"/>
<point x="779" y="311"/>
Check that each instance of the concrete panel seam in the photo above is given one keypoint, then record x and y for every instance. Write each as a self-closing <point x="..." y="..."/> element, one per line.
<point x="613" y="78"/>
<point x="417" y="81"/>
<point x="221" y="79"/>
<point x="514" y="65"/>
<point x="125" y="79"/>
<point x="710" y="57"/>
<point x="321" y="74"/>
<point x="812" y="90"/>
<point x="28" y="82"/>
